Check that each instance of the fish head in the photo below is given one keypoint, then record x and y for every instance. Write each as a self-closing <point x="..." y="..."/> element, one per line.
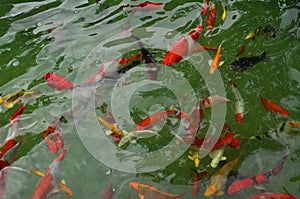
<point x="211" y="190"/>
<point x="135" y="185"/>
<point x="48" y="75"/>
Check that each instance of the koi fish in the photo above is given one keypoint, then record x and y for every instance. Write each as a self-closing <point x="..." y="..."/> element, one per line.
<point x="257" y="179"/>
<point x="182" y="47"/>
<point x="148" y="59"/>
<point x="135" y="134"/>
<point x="252" y="35"/>
<point x="145" y="190"/>
<point x="201" y="48"/>
<point x="58" y="82"/>
<point x="244" y="63"/>
<point x="219" y="180"/>
<point x="206" y="7"/>
<point x="213" y="100"/>
<point x="282" y="133"/>
<point x="216" y="61"/>
<point x="108" y="193"/>
<point x="241" y="51"/>
<point x="112" y="128"/>
<point x="17" y="113"/>
<point x="10" y="100"/>
<point x="125" y="61"/>
<point x="272" y="196"/>
<point x="217" y="156"/>
<point x="224" y="12"/>
<point x="50" y="179"/>
<point x="194" y="156"/>
<point x="211" y="18"/>
<point x="196" y="119"/>
<point x="195" y="185"/>
<point x="62" y="186"/>
<point x="150" y="121"/>
<point x="271" y="106"/>
<point x="145" y="6"/>
<point x="239" y="105"/>
<point x="53" y="136"/>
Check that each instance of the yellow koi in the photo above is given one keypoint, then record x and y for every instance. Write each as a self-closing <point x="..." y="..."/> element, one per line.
<point x="194" y="157"/>
<point x="224" y="12"/>
<point x="113" y="128"/>
<point x="10" y="100"/>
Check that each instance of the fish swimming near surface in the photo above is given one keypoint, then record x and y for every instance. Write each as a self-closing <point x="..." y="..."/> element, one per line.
<point x="58" y="82"/>
<point x="257" y="179"/>
<point x="239" y="104"/>
<point x="108" y="193"/>
<point x="216" y="62"/>
<point x="135" y="134"/>
<point x="211" y="18"/>
<point x="219" y="179"/>
<point x="50" y="179"/>
<point x="245" y="63"/>
<point x="271" y="106"/>
<point x="151" y="192"/>
<point x="272" y="196"/>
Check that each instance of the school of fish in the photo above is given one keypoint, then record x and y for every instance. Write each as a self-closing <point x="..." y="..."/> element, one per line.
<point x="215" y="179"/>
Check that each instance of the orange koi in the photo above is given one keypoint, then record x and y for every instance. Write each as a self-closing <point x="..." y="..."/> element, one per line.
<point x="148" y="191"/>
<point x="49" y="181"/>
<point x="182" y="47"/>
<point x="216" y="61"/>
<point x="151" y="120"/>
<point x="201" y="48"/>
<point x="60" y="185"/>
<point x="58" y="82"/>
<point x="257" y="179"/>
<point x="272" y="196"/>
<point x="239" y="105"/>
<point x="271" y="106"/>
<point x="211" y="18"/>
<point x="195" y="185"/>
<point x="219" y="180"/>
<point x="241" y="51"/>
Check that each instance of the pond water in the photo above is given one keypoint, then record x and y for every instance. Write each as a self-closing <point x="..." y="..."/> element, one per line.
<point x="73" y="38"/>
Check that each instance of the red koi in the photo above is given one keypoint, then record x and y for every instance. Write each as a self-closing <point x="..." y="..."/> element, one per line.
<point x="272" y="196"/>
<point x="150" y="121"/>
<point x="108" y="193"/>
<point x="58" y="82"/>
<point x="182" y="47"/>
<point x="53" y="136"/>
<point x="97" y="76"/>
<point x="271" y="106"/>
<point x="49" y="181"/>
<point x="206" y="7"/>
<point x="257" y="179"/>
<point x="211" y="18"/>
<point x="17" y="113"/>
<point x="146" y="6"/>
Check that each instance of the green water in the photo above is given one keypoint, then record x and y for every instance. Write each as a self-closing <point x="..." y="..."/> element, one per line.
<point x="86" y="34"/>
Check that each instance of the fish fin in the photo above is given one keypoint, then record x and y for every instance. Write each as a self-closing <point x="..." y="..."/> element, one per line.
<point x="221" y="63"/>
<point x="109" y="132"/>
<point x="63" y="181"/>
<point x="260" y="187"/>
<point x="220" y="193"/>
<point x="223" y="158"/>
<point x="210" y="62"/>
<point x="141" y="196"/>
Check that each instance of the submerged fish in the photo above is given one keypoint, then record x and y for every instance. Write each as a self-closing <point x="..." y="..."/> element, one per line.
<point x="272" y="196"/>
<point x="257" y="179"/>
<point x="152" y="192"/>
<point x="244" y="63"/>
